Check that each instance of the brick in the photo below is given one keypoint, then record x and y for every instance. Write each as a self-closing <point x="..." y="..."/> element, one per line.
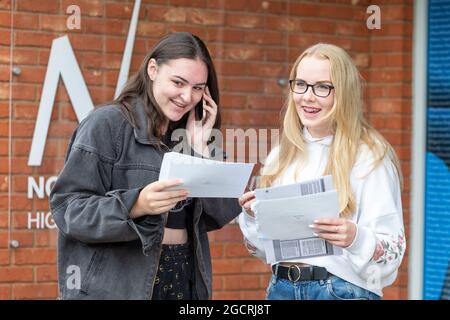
<point x="252" y="265"/>
<point x="35" y="291"/>
<point x="46" y="238"/>
<point x="225" y="36"/>
<point x="266" y="38"/>
<point x="253" y="295"/>
<point x="22" y="129"/>
<point x="248" y="21"/>
<point x="54" y="23"/>
<point x="32" y="74"/>
<point x="303" y="9"/>
<point x="87" y="42"/>
<point x="273" y="7"/>
<point x="33" y="39"/>
<point x="217" y="283"/>
<point x="5" y="19"/>
<point x="121" y="10"/>
<point x="35" y="256"/>
<point x="28" y="21"/>
<point x="235" y="250"/>
<point x="105" y="27"/>
<point x="232" y="101"/>
<point x="4" y="257"/>
<point x="20" y="220"/>
<point x="226" y="295"/>
<point x="216" y="250"/>
<point x="153" y="29"/>
<point x="267" y="70"/>
<point x="15" y="274"/>
<point x="94" y="8"/>
<point x="386" y="106"/>
<point x="283" y="23"/>
<point x="25" y="111"/>
<point x="3" y="188"/>
<point x="5" y="290"/>
<point x="46" y="274"/>
<point x="311" y="26"/>
<point x="237" y="282"/>
<point x="188" y="3"/>
<point x="229" y="5"/>
<point x="265" y="102"/>
<point x="226" y="266"/>
<point x="46" y="6"/>
<point x="5" y="4"/>
<point x="4" y="239"/>
<point x="5" y="37"/>
<point x="277" y="54"/>
<point x="4" y="148"/>
<point x="24" y="237"/>
<point x="168" y="14"/>
<point x="20" y="202"/>
<point x="207" y="18"/>
<point x="228" y="233"/>
<point x="23" y="56"/>
<point x="22" y="91"/>
<point x="243" y="85"/>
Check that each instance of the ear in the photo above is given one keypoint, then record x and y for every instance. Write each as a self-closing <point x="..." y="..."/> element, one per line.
<point x="152" y="69"/>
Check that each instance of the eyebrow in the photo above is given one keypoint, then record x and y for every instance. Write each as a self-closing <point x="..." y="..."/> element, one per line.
<point x="184" y="80"/>
<point x="321" y="81"/>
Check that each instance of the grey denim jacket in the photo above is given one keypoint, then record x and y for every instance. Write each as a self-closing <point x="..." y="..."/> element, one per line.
<point x="116" y="257"/>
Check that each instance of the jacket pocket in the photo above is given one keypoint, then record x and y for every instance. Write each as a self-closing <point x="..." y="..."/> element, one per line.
<point x="93" y="270"/>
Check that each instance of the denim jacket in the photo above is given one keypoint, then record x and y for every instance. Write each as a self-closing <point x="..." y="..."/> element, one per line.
<point x="102" y="252"/>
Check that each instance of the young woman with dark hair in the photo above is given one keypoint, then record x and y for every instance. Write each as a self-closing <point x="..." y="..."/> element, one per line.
<point x="122" y="233"/>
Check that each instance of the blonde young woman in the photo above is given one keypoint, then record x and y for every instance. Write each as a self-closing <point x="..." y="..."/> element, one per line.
<point x="325" y="133"/>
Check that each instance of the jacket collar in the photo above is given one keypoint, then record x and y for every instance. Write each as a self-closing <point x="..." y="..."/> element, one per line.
<point x="326" y="141"/>
<point x="141" y="118"/>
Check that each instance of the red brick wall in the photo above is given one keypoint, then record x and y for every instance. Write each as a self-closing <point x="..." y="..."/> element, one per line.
<point x="254" y="44"/>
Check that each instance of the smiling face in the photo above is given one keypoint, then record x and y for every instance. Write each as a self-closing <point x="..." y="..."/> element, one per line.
<point x="311" y="109"/>
<point x="178" y="85"/>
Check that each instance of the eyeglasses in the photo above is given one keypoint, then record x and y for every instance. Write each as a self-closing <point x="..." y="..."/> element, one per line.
<point x="319" y="89"/>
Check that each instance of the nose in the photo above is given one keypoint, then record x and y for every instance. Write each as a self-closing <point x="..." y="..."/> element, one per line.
<point x="186" y="94"/>
<point x="309" y="94"/>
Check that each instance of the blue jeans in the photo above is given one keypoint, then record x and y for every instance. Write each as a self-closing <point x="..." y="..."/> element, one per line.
<point x="333" y="288"/>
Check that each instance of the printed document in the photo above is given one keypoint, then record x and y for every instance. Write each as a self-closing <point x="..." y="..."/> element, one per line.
<point x="283" y="216"/>
<point x="204" y="178"/>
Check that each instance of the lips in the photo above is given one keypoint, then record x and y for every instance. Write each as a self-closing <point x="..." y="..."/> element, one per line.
<point x="179" y="105"/>
<point x="311" y="110"/>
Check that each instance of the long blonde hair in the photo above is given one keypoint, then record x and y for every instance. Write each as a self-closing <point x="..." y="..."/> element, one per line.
<point x="350" y="129"/>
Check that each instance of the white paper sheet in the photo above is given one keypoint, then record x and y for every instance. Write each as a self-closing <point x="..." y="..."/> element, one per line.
<point x="321" y="184"/>
<point x="206" y="178"/>
<point x="283" y="216"/>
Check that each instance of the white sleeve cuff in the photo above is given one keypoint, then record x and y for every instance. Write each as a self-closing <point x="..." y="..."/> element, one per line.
<point x="364" y="243"/>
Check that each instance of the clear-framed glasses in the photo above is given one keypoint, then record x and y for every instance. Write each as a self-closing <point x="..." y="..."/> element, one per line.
<point x="322" y="90"/>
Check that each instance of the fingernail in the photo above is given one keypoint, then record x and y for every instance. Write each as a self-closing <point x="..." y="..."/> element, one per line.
<point x="315" y="234"/>
<point x="311" y="226"/>
<point x="316" y="221"/>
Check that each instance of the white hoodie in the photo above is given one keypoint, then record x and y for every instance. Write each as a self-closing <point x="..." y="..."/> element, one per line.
<point x="378" y="218"/>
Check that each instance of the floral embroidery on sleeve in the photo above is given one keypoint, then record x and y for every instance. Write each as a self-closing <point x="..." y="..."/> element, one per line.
<point x="387" y="251"/>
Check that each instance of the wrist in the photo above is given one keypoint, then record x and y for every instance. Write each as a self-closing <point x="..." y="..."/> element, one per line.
<point x="137" y="210"/>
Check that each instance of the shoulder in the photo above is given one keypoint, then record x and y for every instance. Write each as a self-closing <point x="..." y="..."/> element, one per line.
<point x="374" y="161"/>
<point x="101" y="130"/>
<point x="109" y="115"/>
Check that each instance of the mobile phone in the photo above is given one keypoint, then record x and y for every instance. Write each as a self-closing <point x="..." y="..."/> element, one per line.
<point x="199" y="111"/>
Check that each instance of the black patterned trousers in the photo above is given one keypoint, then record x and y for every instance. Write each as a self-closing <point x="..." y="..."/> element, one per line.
<point x="174" y="279"/>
